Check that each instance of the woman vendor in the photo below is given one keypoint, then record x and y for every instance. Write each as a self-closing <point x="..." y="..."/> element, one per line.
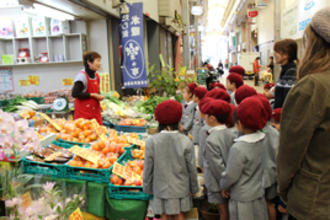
<point x="86" y="89"/>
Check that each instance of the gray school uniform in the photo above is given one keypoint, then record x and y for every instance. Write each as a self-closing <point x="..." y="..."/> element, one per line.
<point x="217" y="147"/>
<point x="201" y="145"/>
<point x="270" y="176"/>
<point x="170" y="172"/>
<point x="188" y="116"/>
<point x="197" y="125"/>
<point x="243" y="177"/>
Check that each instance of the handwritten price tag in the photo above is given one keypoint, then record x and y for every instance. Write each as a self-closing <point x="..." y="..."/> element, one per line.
<point x="86" y="154"/>
<point x="67" y="82"/>
<point x="51" y="121"/>
<point x="125" y="172"/>
<point x="97" y="129"/>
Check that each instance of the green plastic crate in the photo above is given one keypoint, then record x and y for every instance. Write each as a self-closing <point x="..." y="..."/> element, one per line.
<point x="72" y="142"/>
<point x="42" y="168"/>
<point x="130" y="129"/>
<point x="127" y="192"/>
<point x="67" y="145"/>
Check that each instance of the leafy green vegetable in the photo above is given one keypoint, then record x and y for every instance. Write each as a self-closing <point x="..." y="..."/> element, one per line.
<point x="149" y="106"/>
<point x="12" y="105"/>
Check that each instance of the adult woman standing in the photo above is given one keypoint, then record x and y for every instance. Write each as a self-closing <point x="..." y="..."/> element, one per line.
<point x="285" y="52"/>
<point x="86" y="89"/>
<point x="304" y="152"/>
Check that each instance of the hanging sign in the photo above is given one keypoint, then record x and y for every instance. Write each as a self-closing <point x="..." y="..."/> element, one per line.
<point x="134" y="65"/>
<point x="253" y="13"/>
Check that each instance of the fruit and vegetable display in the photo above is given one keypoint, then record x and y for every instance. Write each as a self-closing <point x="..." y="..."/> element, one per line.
<point x="148" y="106"/>
<point x="140" y="122"/>
<point x="80" y="130"/>
<point x="133" y="166"/>
<point x="19" y="103"/>
<point x="51" y="154"/>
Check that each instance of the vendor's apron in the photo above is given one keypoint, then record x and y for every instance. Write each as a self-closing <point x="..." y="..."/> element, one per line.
<point x="89" y="108"/>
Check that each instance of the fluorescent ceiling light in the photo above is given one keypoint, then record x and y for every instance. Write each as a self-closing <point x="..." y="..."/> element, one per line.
<point x="197" y="10"/>
<point x="41" y="10"/>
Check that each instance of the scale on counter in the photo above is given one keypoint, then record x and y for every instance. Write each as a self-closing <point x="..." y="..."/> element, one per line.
<point x="60" y="104"/>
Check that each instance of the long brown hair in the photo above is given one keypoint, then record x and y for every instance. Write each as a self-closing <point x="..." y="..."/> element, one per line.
<point x="316" y="57"/>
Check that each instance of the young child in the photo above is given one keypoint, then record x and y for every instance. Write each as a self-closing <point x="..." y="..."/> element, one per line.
<point x="237" y="69"/>
<point x="234" y="81"/>
<point x="203" y="131"/>
<point x="243" y="92"/>
<point x="188" y="109"/>
<point x="218" y="93"/>
<point x="217" y="85"/>
<point x="218" y="143"/>
<point x="199" y="93"/>
<point x="241" y="181"/>
<point x="269" y="180"/>
<point x="276" y="118"/>
<point x="170" y="172"/>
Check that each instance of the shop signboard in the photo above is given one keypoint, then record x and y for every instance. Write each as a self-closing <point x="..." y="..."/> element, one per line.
<point x="132" y="41"/>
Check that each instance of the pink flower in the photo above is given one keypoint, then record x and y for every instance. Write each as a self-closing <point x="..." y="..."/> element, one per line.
<point x="48" y="186"/>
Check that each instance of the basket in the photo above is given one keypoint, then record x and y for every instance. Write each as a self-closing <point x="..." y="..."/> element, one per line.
<point x="47" y="169"/>
<point x="127" y="192"/>
<point x="130" y="129"/>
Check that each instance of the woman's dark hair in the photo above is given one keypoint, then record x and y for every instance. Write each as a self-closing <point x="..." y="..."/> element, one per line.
<point x="90" y="56"/>
<point x="288" y="47"/>
<point x="271" y="57"/>
<point x="172" y="126"/>
<point x="258" y="58"/>
<point x="221" y="118"/>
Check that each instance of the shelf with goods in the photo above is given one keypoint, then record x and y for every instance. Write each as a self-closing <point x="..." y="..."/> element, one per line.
<point x="64" y="48"/>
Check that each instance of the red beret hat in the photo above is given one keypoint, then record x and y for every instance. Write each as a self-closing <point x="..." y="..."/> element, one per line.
<point x="267" y="106"/>
<point x="218" y="93"/>
<point x="237" y="69"/>
<point x="192" y="87"/>
<point x="231" y="121"/>
<point x="203" y="103"/>
<point x="251" y="113"/>
<point x="200" y="92"/>
<point x="168" y="112"/>
<point x="218" y="108"/>
<point x="217" y="85"/>
<point x="269" y="86"/>
<point x="243" y="92"/>
<point x="235" y="78"/>
<point x="276" y="115"/>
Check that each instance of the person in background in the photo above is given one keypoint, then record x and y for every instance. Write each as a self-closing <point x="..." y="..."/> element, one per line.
<point x="220" y="68"/>
<point x="241" y="181"/>
<point x="170" y="173"/>
<point x="188" y="108"/>
<point x="256" y="71"/>
<point x="86" y="89"/>
<point x="218" y="143"/>
<point x="234" y="81"/>
<point x="303" y="158"/>
<point x="270" y="65"/>
<point x="285" y="52"/>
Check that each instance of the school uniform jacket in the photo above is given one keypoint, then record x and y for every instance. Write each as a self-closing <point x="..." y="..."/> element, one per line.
<point x="271" y="146"/>
<point x="244" y="169"/>
<point x="217" y="147"/>
<point x="188" y="116"/>
<point x="197" y="125"/>
<point x="203" y="133"/>
<point x="170" y="170"/>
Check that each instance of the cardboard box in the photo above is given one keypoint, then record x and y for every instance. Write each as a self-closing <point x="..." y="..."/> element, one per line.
<point x="23" y="26"/>
<point x="59" y="27"/>
<point x="40" y="26"/>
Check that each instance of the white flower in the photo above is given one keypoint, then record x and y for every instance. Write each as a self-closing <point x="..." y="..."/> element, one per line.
<point x="14" y="202"/>
<point x="48" y="186"/>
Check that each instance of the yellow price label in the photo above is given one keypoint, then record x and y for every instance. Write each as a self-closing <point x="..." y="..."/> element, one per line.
<point x="86" y="154"/>
<point x="125" y="172"/>
<point x="96" y="127"/>
<point x="51" y="121"/>
<point x="23" y="82"/>
<point x="67" y="81"/>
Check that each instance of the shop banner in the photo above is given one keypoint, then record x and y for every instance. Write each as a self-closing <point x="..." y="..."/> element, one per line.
<point x="132" y="41"/>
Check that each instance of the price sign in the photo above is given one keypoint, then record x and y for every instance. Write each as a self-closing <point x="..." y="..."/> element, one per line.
<point x="67" y="81"/>
<point x="23" y="82"/>
<point x="51" y="121"/>
<point x="33" y="80"/>
<point x="96" y="127"/>
<point x="136" y="141"/>
<point x="125" y="172"/>
<point x="86" y="154"/>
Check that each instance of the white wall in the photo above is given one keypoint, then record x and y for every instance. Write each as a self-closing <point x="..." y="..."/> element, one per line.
<point x="265" y="23"/>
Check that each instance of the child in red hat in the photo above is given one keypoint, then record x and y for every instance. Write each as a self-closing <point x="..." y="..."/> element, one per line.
<point x="237" y="69"/>
<point x="199" y="94"/>
<point x="217" y="85"/>
<point x="218" y="93"/>
<point x="188" y="108"/>
<point x="241" y="181"/>
<point x="269" y="179"/>
<point x="234" y="81"/>
<point x="243" y="92"/>
<point x="218" y="143"/>
<point x="276" y="118"/>
<point x="169" y="155"/>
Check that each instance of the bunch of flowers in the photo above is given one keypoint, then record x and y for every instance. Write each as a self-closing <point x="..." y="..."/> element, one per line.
<point x="16" y="138"/>
<point x="50" y="205"/>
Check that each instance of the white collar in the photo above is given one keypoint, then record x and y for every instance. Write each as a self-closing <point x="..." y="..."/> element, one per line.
<point x="217" y="128"/>
<point x="251" y="138"/>
<point x="197" y="108"/>
<point x="169" y="132"/>
<point x="189" y="103"/>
